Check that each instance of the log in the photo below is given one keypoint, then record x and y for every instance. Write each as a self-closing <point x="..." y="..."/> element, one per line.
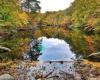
<point x="5" y="48"/>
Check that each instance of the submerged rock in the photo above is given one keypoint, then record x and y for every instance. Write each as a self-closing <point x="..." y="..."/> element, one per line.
<point x="6" y="77"/>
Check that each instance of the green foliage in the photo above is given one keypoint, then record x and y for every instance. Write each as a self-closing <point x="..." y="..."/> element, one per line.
<point x="79" y="25"/>
<point x="10" y="15"/>
<point x="80" y="22"/>
<point x="12" y="19"/>
<point x="81" y="10"/>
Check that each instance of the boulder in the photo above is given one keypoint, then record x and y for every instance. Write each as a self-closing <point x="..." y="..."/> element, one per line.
<point x="6" y="77"/>
<point x="94" y="56"/>
<point x="4" y="49"/>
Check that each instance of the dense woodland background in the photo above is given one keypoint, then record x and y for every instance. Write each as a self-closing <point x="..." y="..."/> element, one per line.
<point x="79" y="25"/>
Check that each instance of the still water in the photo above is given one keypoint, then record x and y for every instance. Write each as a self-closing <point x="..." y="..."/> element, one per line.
<point x="54" y="49"/>
<point x="56" y="61"/>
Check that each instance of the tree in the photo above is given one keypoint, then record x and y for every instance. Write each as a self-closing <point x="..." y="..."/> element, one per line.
<point x="30" y="5"/>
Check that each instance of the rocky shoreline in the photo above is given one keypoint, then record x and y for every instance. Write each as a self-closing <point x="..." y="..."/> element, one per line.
<point x="82" y="72"/>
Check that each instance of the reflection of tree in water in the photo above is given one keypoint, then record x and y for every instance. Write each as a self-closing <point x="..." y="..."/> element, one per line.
<point x="35" y="47"/>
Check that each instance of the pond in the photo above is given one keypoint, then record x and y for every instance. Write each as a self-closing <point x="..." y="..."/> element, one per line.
<point x="56" y="60"/>
<point x="54" y="49"/>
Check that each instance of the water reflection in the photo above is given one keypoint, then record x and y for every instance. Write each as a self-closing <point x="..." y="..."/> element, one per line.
<point x="55" y="63"/>
<point x="54" y="49"/>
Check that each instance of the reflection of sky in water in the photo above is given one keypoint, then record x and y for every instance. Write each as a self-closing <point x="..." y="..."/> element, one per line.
<point x="55" y="50"/>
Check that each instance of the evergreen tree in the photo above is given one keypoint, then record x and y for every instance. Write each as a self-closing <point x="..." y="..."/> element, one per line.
<point x="30" y="6"/>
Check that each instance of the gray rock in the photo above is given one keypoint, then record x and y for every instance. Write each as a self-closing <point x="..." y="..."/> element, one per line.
<point x="94" y="79"/>
<point x="4" y="49"/>
<point x="94" y="57"/>
<point x="6" y="77"/>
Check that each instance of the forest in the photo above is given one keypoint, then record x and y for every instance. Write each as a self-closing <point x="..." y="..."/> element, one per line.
<point x="79" y="25"/>
<point x="26" y="33"/>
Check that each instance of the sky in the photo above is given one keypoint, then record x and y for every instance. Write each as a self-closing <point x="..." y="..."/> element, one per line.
<point x="54" y="5"/>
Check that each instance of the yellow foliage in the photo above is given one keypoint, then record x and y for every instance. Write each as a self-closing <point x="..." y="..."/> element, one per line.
<point x="38" y="34"/>
<point x="89" y="39"/>
<point x="91" y="21"/>
<point x="23" y="45"/>
<point x="51" y="32"/>
<point x="23" y="16"/>
<point x="90" y="43"/>
<point x="95" y="64"/>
